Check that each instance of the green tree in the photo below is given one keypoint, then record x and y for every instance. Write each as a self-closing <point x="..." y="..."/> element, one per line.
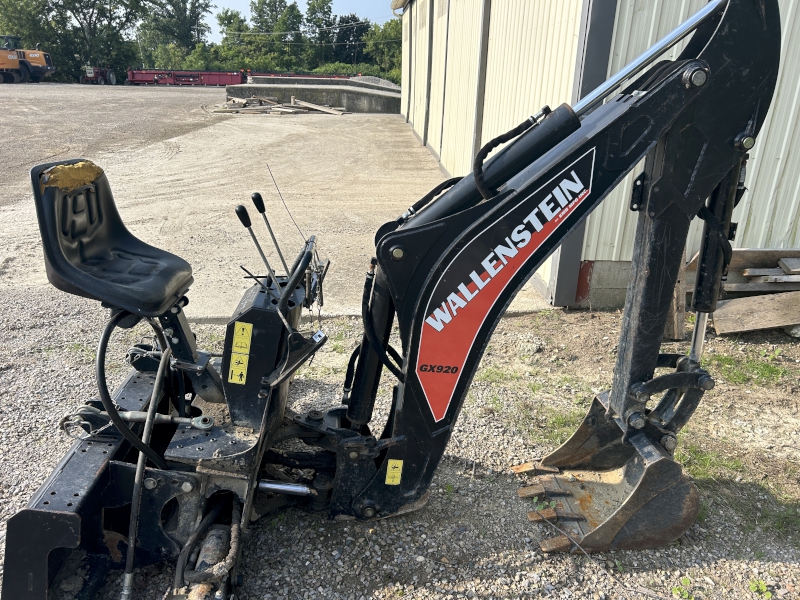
<point x="319" y="24"/>
<point x="180" y="21"/>
<point x="385" y="44"/>
<point x="265" y="13"/>
<point x="349" y="38"/>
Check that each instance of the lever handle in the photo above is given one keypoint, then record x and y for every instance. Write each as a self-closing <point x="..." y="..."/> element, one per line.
<point x="259" y="202"/>
<point x="241" y="212"/>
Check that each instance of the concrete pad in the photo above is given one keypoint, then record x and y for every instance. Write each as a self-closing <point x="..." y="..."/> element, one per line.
<point x="342" y="177"/>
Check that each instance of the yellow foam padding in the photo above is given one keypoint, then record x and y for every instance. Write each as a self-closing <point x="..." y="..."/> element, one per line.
<point x="70" y="177"/>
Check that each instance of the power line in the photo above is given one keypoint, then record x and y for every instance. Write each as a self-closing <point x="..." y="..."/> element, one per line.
<point x="334" y="28"/>
<point x="328" y="43"/>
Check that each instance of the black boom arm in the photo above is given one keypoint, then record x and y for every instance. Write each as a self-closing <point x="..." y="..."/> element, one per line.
<point x="449" y="271"/>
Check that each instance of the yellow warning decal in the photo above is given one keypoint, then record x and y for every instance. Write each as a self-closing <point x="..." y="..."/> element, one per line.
<point x="394" y="471"/>
<point x="242" y="333"/>
<point x="238" y="370"/>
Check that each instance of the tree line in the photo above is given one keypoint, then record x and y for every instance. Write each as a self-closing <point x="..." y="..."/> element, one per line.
<point x="172" y="34"/>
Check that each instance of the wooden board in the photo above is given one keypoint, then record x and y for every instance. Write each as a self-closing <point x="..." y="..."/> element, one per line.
<point x="324" y="109"/>
<point x="762" y="272"/>
<point x="790" y="265"/>
<point x="753" y="258"/>
<point x="782" y="278"/>
<point x="757" y="312"/>
<point x="760" y="287"/>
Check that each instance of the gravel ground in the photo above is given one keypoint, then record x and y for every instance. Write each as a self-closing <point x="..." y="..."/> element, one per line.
<point x="472" y="539"/>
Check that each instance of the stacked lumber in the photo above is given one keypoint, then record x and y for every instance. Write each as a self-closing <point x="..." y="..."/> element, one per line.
<point x="769" y="281"/>
<point x="268" y="105"/>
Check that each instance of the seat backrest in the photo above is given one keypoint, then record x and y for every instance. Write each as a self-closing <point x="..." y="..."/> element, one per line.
<point x="87" y="248"/>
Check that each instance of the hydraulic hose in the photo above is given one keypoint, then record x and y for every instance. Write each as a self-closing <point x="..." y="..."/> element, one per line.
<point x="105" y="396"/>
<point x="136" y="501"/>
<point x="183" y="557"/>
<point x="369" y="330"/>
<point x="218" y="571"/>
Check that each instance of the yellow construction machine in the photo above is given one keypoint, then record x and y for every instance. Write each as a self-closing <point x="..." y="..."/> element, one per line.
<point x="18" y="65"/>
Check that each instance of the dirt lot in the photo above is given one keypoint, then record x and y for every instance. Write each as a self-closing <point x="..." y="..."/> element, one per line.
<point x="536" y="380"/>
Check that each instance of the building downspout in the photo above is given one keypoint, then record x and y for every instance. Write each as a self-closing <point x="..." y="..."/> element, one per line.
<point x="444" y="82"/>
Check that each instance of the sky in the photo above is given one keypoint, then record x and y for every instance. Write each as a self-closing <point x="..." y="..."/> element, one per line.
<point x="377" y="11"/>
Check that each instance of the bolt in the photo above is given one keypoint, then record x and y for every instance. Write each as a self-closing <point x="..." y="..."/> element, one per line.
<point x="168" y="332"/>
<point x="745" y="141"/>
<point x="368" y="512"/>
<point x="175" y="341"/>
<point x="706" y="382"/>
<point x="353" y="455"/>
<point x="398" y="253"/>
<point x="187" y="486"/>
<point x="669" y="442"/>
<point x="150" y="483"/>
<point x="219" y="595"/>
<point x="636" y="420"/>
<point x="174" y="310"/>
<point x="639" y="393"/>
<point x="695" y="77"/>
<point x="315" y="416"/>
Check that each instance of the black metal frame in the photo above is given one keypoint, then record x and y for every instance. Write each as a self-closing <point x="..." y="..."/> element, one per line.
<point x="448" y="273"/>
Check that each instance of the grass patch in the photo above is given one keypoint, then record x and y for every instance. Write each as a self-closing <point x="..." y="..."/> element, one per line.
<point x="561" y="425"/>
<point x="702" y="463"/>
<point x="493" y="375"/>
<point x="761" y="371"/>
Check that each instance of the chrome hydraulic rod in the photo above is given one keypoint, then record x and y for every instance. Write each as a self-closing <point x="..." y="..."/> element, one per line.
<point x="698" y="336"/>
<point x="289" y="489"/>
<point x="644" y="60"/>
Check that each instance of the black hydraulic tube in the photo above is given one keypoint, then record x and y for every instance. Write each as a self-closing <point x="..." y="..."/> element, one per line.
<point x="105" y="396"/>
<point x="298" y="272"/>
<point x="136" y="501"/>
<point x="368" y="370"/>
<point x="711" y="260"/>
<point x="504" y="165"/>
<point x="183" y="557"/>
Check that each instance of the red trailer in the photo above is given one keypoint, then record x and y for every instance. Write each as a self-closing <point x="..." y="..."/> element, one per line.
<point x="170" y="77"/>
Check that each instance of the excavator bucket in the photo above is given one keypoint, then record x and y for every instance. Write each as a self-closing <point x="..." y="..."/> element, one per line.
<point x="604" y="494"/>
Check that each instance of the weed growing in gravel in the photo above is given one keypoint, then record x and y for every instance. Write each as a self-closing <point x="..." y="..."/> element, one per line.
<point x="682" y="590"/>
<point x="757" y="586"/>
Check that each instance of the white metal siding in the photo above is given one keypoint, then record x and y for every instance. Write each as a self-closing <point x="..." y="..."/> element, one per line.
<point x="420" y="73"/>
<point x="768" y="217"/>
<point x="405" y="84"/>
<point x="531" y="60"/>
<point x="461" y="85"/>
<point x="438" y="75"/>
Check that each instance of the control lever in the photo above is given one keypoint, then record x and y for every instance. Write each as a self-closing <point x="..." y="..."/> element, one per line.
<point x="258" y="201"/>
<point x="241" y="212"/>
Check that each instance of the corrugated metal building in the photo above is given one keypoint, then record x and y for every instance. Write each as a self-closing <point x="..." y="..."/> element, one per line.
<point x="472" y="69"/>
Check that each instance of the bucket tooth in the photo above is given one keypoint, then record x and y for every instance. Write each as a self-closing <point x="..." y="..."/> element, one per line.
<point x="629" y="496"/>
<point x="542" y="489"/>
<point x="530" y="468"/>
<point x="560" y="543"/>
<point x="552" y="515"/>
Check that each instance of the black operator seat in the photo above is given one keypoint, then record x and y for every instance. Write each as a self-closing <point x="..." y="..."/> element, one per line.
<point x="89" y="252"/>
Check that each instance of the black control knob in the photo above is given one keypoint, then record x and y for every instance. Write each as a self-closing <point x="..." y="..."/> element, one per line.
<point x="241" y="212"/>
<point x="259" y="202"/>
